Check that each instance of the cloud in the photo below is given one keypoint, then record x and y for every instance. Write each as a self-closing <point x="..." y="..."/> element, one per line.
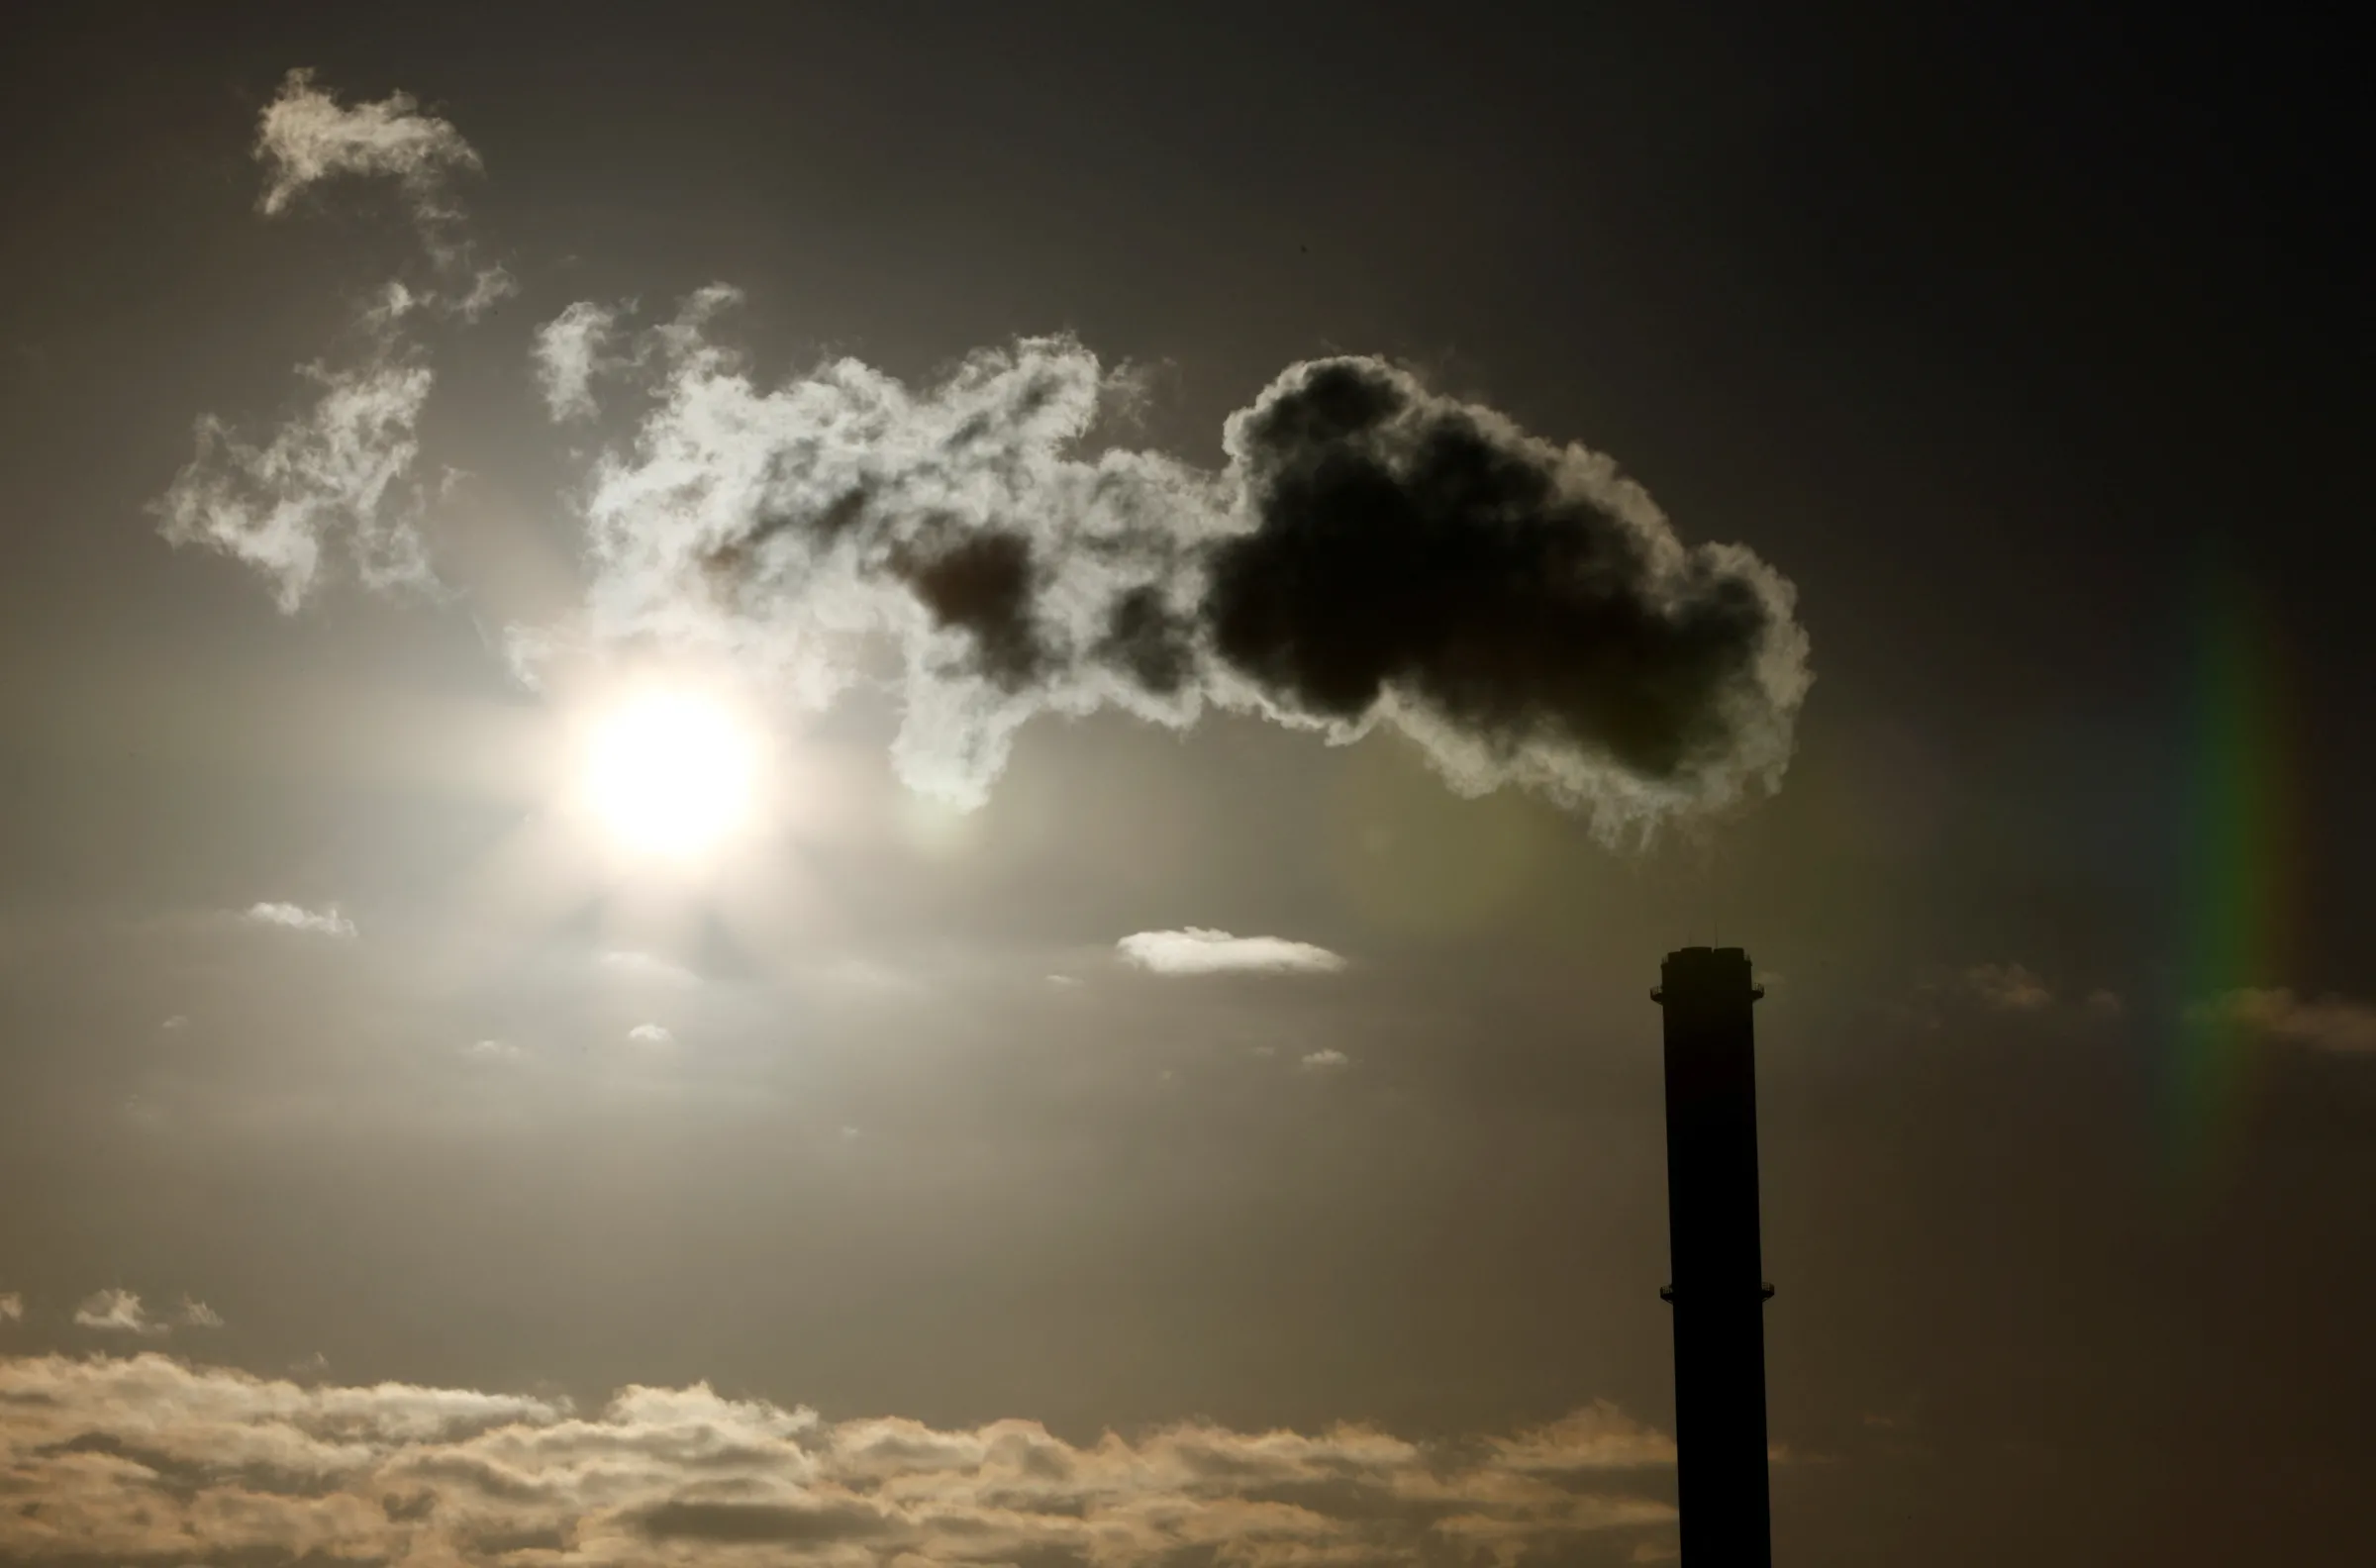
<point x="307" y="137"/>
<point x="1197" y="951"/>
<point x="12" y="1306"/>
<point x="1371" y="553"/>
<point x="2009" y="988"/>
<point x="324" y="922"/>
<point x="340" y="470"/>
<point x="152" y="1458"/>
<point x="570" y="352"/>
<point x="118" y="1312"/>
<point x="631" y="964"/>
<point x="494" y="1050"/>
<point x="1326" y="1061"/>
<point x="198" y="1315"/>
<point x="651" y="1035"/>
<point x="2331" y="1024"/>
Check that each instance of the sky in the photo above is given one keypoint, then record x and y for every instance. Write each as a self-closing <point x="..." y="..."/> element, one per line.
<point x="897" y="785"/>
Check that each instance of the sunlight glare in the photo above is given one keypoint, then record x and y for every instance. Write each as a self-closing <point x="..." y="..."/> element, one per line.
<point x="670" y="773"/>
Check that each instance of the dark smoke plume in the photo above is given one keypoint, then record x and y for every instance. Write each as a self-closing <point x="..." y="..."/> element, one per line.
<point x="1370" y="554"/>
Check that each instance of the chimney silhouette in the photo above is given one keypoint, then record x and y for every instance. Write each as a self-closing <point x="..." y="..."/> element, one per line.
<point x="1718" y="1291"/>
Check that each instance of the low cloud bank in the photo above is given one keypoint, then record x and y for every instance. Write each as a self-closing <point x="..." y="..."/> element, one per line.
<point x="154" y="1458"/>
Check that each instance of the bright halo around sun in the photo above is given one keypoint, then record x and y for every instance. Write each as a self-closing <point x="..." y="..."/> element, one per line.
<point x="670" y="773"/>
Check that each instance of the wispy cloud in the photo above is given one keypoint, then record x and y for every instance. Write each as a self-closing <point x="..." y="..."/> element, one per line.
<point x="324" y="922"/>
<point x="198" y="1315"/>
<point x="307" y="137"/>
<point x="1326" y="1061"/>
<point x="1198" y="951"/>
<point x="340" y="470"/>
<point x="570" y="351"/>
<point x="118" y="1312"/>
<point x="399" y="1473"/>
<point x="629" y="964"/>
<point x="12" y="1306"/>
<point x="2006" y="987"/>
<point x="651" y="1035"/>
<point x="2331" y="1024"/>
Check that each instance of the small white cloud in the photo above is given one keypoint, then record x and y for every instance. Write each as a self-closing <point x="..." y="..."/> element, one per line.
<point x="2331" y="1024"/>
<point x="324" y="922"/>
<point x="117" y="1312"/>
<point x="12" y="1306"/>
<point x="1064" y="981"/>
<point x="307" y="136"/>
<point x="570" y="353"/>
<point x="177" y="1024"/>
<point x="1326" y="1061"/>
<point x="493" y="1050"/>
<point x="198" y="1315"/>
<point x="2009" y="988"/>
<point x="651" y="1035"/>
<point x="649" y="968"/>
<point x="1200" y="952"/>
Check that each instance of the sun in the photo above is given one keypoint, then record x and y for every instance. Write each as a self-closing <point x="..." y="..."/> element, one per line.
<point x="669" y="773"/>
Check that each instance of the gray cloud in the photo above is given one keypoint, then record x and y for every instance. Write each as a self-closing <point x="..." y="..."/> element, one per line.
<point x="2331" y="1024"/>
<point x="2006" y="987"/>
<point x="1372" y="554"/>
<point x="12" y="1306"/>
<point x="324" y="922"/>
<point x="151" y="1457"/>
<point x="1198" y="951"/>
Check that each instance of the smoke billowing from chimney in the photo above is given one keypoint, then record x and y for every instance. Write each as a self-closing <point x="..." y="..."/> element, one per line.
<point x="1370" y="554"/>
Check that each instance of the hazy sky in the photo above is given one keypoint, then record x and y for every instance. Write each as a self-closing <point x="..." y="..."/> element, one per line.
<point x="1268" y="563"/>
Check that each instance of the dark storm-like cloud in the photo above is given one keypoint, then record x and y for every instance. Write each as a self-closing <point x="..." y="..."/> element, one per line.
<point x="1370" y="554"/>
<point x="151" y="1458"/>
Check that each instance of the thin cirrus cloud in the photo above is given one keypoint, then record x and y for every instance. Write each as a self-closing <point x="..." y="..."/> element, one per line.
<point x="340" y="470"/>
<point x="2334" y="1024"/>
<point x="324" y="922"/>
<point x="122" y="1312"/>
<point x="398" y="1473"/>
<point x="1196" y="950"/>
<point x="629" y="964"/>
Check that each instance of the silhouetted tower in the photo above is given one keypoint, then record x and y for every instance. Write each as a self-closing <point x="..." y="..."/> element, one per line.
<point x="1718" y="1291"/>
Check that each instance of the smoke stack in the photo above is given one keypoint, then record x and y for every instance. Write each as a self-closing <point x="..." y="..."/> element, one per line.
<point x="1718" y="1291"/>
